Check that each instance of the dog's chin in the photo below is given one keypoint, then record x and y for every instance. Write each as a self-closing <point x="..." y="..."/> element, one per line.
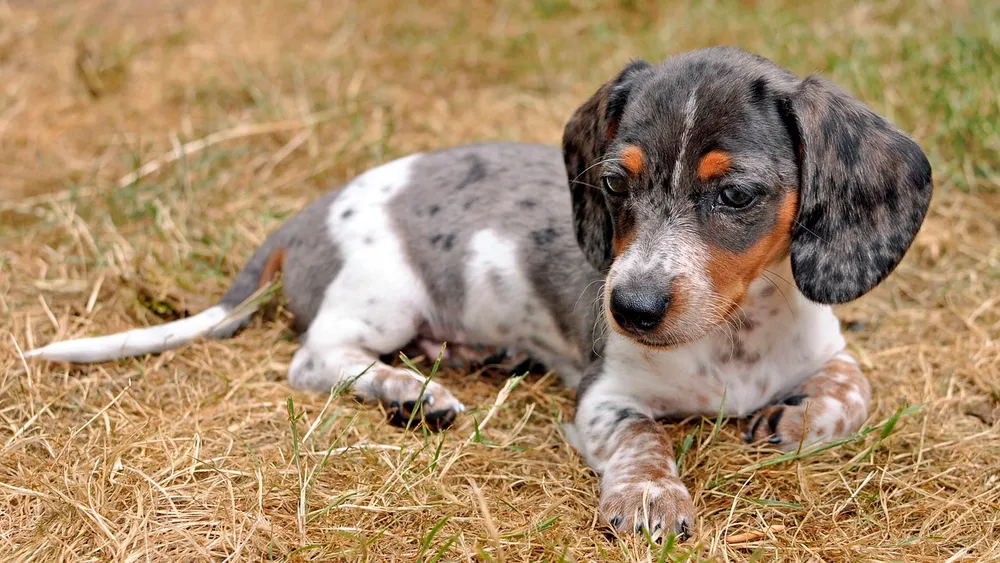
<point x="675" y="338"/>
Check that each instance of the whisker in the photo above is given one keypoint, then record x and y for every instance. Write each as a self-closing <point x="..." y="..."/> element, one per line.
<point x="599" y="292"/>
<point x="777" y="287"/>
<point x="811" y="232"/>
<point x="598" y="163"/>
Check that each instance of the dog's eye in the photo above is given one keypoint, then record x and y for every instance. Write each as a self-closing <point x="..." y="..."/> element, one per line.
<point x="735" y="197"/>
<point x="615" y="185"/>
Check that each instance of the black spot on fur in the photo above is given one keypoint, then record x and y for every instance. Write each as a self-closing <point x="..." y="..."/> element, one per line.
<point x="347" y="213"/>
<point x="545" y="236"/>
<point x="627" y="414"/>
<point x="468" y="205"/>
<point x="527" y="204"/>
<point x="368" y="240"/>
<point x="442" y="241"/>
<point x="758" y="91"/>
<point x="477" y="171"/>
<point x="432" y="211"/>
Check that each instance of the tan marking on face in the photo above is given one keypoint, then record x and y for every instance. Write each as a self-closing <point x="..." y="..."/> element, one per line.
<point x="713" y="165"/>
<point x="622" y="240"/>
<point x="274" y="265"/>
<point x="731" y="272"/>
<point x="633" y="159"/>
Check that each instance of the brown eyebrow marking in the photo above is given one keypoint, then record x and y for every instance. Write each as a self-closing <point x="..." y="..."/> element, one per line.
<point x="713" y="164"/>
<point x="633" y="159"/>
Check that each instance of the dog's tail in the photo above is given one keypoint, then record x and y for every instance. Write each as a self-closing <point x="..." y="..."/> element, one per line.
<point x="222" y="320"/>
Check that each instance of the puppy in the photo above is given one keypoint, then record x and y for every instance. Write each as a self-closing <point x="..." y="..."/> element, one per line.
<point x="717" y="207"/>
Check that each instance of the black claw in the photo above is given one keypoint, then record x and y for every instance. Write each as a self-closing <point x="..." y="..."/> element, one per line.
<point x="794" y="400"/>
<point x="397" y="417"/>
<point x="494" y="359"/>
<point x="749" y="437"/>
<point x="774" y="419"/>
<point x="684" y="531"/>
<point x="615" y="521"/>
<point x="657" y="527"/>
<point x="439" y="420"/>
<point x="528" y="365"/>
<point x="434" y="420"/>
<point x="775" y="439"/>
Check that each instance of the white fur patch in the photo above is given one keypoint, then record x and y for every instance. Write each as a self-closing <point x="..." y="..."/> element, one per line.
<point x="501" y="306"/>
<point x="136" y="342"/>
<point x="792" y="340"/>
<point x="377" y="300"/>
<point x="690" y="108"/>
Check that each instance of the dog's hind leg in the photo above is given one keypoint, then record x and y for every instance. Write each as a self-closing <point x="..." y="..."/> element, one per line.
<point x="342" y="347"/>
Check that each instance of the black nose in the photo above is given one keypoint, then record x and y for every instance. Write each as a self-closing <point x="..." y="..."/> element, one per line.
<point x="638" y="309"/>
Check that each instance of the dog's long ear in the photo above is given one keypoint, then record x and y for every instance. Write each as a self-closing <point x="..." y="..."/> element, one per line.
<point x="585" y="138"/>
<point x="864" y="191"/>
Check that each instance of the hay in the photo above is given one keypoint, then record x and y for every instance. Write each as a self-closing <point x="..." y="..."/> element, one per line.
<point x="205" y="454"/>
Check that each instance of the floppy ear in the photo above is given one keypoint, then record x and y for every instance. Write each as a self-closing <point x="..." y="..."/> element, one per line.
<point x="864" y="191"/>
<point x="585" y="139"/>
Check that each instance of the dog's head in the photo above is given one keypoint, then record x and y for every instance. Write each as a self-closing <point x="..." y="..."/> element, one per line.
<point x="690" y="177"/>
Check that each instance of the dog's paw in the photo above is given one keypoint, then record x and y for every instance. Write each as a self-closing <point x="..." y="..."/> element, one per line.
<point x="659" y="507"/>
<point x="436" y="408"/>
<point x="785" y="425"/>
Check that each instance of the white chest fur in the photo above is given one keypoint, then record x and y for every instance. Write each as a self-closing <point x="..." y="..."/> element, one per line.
<point x="779" y="340"/>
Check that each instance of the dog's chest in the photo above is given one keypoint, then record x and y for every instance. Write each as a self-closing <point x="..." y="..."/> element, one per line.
<point x="779" y="344"/>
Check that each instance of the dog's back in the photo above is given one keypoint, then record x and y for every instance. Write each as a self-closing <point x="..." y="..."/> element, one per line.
<point x="473" y="244"/>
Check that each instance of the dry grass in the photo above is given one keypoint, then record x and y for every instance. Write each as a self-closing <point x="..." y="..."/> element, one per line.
<point x="205" y="453"/>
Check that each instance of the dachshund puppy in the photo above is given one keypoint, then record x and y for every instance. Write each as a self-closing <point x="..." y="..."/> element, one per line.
<point x="717" y="207"/>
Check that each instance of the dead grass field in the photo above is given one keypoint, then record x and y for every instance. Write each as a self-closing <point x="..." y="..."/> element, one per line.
<point x="206" y="454"/>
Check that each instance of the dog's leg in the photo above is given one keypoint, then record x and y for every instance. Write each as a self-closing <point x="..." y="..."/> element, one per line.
<point x="640" y="486"/>
<point x="829" y="405"/>
<point x="345" y="351"/>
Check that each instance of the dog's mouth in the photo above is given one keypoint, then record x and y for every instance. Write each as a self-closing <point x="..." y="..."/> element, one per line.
<point x="660" y="339"/>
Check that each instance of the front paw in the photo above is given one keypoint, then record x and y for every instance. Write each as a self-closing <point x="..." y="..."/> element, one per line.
<point x="785" y="425"/>
<point x="661" y="507"/>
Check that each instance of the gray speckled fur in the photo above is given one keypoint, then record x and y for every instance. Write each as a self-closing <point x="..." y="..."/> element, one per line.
<point x="515" y="189"/>
<point x="311" y="263"/>
<point x="864" y="186"/>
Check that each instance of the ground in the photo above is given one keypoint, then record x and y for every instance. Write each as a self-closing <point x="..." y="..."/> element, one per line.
<point x="148" y="147"/>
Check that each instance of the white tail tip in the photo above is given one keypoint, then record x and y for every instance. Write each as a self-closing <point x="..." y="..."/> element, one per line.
<point x="135" y="342"/>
